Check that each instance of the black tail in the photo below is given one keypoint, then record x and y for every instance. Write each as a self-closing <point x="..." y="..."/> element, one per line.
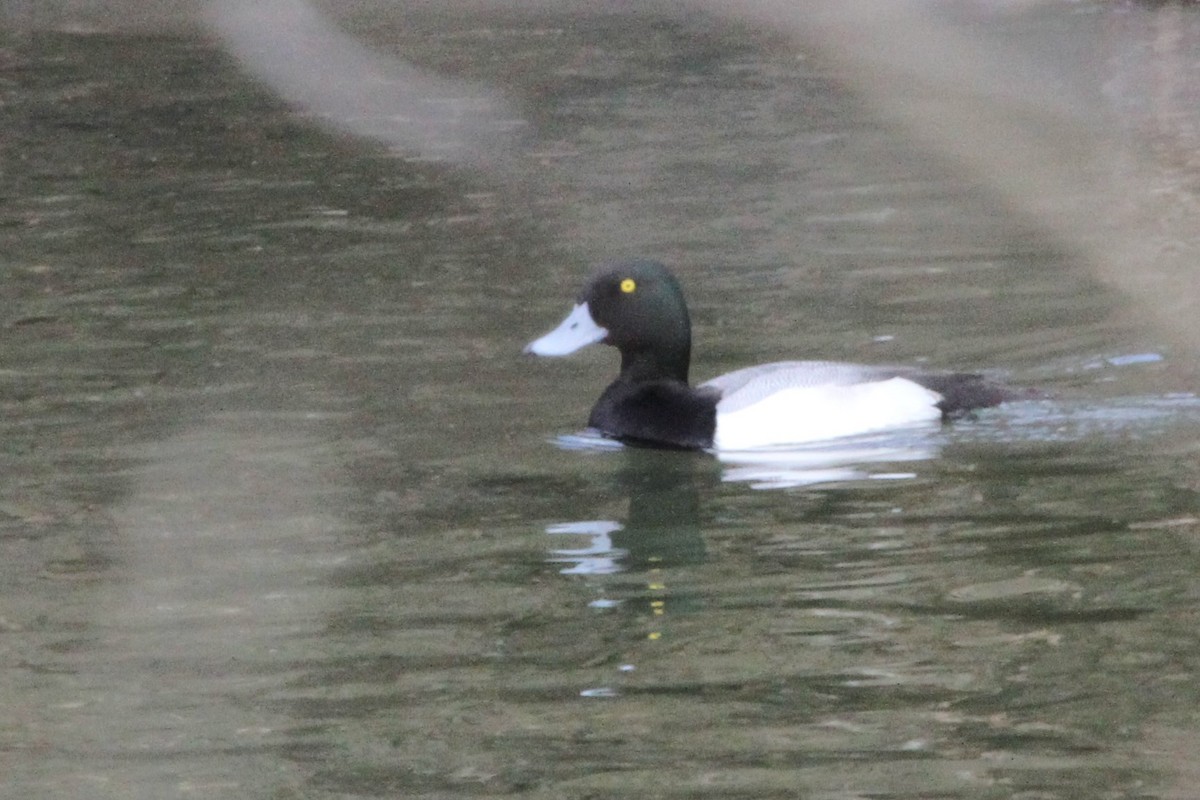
<point x="963" y="392"/>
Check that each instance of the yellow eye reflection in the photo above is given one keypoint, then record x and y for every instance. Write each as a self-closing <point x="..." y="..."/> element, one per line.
<point x="628" y="286"/>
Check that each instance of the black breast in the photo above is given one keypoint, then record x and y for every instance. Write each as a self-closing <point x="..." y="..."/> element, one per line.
<point x="662" y="413"/>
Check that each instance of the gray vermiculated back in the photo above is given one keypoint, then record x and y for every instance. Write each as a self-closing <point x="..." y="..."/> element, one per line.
<point x="745" y="387"/>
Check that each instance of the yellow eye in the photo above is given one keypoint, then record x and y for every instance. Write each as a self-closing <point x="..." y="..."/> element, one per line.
<point x="628" y="285"/>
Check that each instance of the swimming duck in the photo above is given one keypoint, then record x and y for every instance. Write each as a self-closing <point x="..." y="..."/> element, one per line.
<point x="639" y="308"/>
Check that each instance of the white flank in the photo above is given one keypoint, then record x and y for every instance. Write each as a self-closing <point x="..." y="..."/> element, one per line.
<point x="811" y="414"/>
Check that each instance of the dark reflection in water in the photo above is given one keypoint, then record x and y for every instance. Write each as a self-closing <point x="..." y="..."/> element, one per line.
<point x="282" y="513"/>
<point x="660" y="533"/>
<point x="664" y="510"/>
<point x="662" y="525"/>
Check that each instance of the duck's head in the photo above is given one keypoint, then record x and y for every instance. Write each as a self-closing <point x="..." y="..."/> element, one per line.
<point x="638" y="308"/>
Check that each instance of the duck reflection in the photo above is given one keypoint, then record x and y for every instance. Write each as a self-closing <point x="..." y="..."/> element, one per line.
<point x="640" y="564"/>
<point x="662" y="527"/>
<point x="660" y="535"/>
<point x="853" y="459"/>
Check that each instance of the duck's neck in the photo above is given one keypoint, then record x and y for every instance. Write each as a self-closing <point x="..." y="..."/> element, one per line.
<point x="649" y="365"/>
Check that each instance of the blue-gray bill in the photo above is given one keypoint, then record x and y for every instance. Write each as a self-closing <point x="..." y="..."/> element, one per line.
<point x="577" y="331"/>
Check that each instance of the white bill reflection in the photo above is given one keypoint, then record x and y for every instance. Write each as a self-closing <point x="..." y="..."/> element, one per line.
<point x="599" y="557"/>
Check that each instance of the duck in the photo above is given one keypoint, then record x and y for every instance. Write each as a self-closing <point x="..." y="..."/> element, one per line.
<point x="638" y="307"/>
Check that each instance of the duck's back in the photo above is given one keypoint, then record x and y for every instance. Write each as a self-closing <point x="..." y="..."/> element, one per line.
<point x="745" y="387"/>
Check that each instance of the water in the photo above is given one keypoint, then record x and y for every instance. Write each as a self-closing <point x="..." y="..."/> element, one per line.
<point x="285" y="513"/>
